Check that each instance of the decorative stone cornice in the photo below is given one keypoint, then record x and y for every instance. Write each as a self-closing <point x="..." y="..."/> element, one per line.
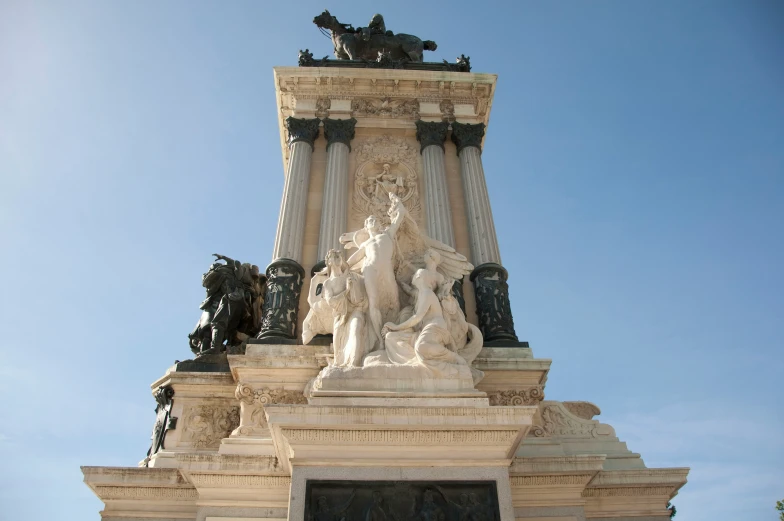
<point x="529" y="396"/>
<point x="431" y="133"/>
<point x="239" y="481"/>
<point x="306" y="130"/>
<point x="401" y="437"/>
<point x="629" y="491"/>
<point x="467" y="135"/>
<point x="264" y="396"/>
<point x="557" y="479"/>
<point x="146" y="493"/>
<point x="339" y="131"/>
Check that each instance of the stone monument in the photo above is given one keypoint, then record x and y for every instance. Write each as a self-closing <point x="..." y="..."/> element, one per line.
<point x="375" y="372"/>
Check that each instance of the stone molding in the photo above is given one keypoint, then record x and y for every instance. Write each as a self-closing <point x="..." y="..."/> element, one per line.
<point x="558" y="464"/>
<point x="586" y="410"/>
<point x="210" y="462"/>
<point x="339" y="131"/>
<point x="146" y="493"/>
<point x="558" y="479"/>
<point x="669" y="476"/>
<point x="528" y="396"/>
<point x="401" y="437"/>
<point x="386" y="415"/>
<point x="431" y="133"/>
<point x="467" y="135"/>
<point x="628" y="491"/>
<point x="243" y="481"/>
<point x="302" y="129"/>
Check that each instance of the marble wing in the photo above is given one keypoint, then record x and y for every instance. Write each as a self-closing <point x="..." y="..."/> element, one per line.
<point x="412" y="245"/>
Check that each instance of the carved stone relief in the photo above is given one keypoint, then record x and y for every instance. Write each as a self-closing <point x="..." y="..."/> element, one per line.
<point x="447" y="110"/>
<point x="253" y="421"/>
<point x="529" y="396"/>
<point x="585" y="410"/>
<point x="322" y="107"/>
<point x="207" y="424"/>
<point x="556" y="420"/>
<point x="385" y="107"/>
<point x="386" y="164"/>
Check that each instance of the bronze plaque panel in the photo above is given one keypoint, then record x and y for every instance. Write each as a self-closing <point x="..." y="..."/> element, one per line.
<point x="401" y="501"/>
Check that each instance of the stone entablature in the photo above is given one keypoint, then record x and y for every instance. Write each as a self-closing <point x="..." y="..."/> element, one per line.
<point x="393" y="99"/>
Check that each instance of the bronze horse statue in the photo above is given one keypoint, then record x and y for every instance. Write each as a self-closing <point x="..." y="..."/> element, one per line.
<point x="353" y="44"/>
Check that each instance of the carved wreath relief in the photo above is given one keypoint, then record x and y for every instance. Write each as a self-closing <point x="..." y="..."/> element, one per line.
<point x="207" y="424"/>
<point x="386" y="165"/>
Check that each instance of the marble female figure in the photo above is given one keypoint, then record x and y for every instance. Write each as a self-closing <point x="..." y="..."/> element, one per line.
<point x="344" y="293"/>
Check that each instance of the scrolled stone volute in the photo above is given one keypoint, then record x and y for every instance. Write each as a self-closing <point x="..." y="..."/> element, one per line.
<point x="431" y="133"/>
<point x="302" y="129"/>
<point x="467" y="135"/>
<point x="339" y="131"/>
<point x="492" y="302"/>
<point x="281" y="302"/>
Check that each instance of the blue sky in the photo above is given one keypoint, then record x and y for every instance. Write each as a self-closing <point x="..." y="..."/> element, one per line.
<point x="634" y="159"/>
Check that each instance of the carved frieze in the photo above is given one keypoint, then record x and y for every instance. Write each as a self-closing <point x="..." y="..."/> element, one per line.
<point x="322" y="107"/>
<point x="146" y="493"/>
<point x="207" y="424"/>
<point x="517" y="397"/>
<point x="253" y="421"/>
<point x="628" y="491"/>
<point x="385" y="107"/>
<point x="385" y="165"/>
<point x="241" y="481"/>
<point x="538" y="481"/>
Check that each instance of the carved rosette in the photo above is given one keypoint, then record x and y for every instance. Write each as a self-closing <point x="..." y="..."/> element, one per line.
<point x="281" y="301"/>
<point x="164" y="421"/>
<point x="301" y="129"/>
<point x="207" y="424"/>
<point x="253" y="421"/>
<point x="385" y="107"/>
<point x="339" y="131"/>
<point x="492" y="302"/>
<point x="467" y="135"/>
<point x="431" y="133"/>
<point x="517" y="397"/>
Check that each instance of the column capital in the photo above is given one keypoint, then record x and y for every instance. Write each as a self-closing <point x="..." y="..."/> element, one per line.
<point x="339" y="131"/>
<point x="431" y="133"/>
<point x="467" y="135"/>
<point x="301" y="129"/>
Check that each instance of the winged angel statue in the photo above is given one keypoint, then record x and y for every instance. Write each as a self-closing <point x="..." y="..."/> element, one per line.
<point x="391" y="302"/>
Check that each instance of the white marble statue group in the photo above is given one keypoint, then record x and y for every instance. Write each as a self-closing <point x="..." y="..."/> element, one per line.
<point x="391" y="302"/>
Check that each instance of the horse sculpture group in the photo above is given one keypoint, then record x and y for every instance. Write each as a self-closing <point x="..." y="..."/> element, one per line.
<point x="366" y="43"/>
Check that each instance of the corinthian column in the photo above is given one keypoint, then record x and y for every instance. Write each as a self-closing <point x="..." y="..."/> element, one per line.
<point x="438" y="224"/>
<point x="285" y="273"/>
<point x="339" y="133"/>
<point x="489" y="277"/>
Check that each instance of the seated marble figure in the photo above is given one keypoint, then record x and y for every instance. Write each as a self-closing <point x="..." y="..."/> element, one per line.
<point x="402" y="275"/>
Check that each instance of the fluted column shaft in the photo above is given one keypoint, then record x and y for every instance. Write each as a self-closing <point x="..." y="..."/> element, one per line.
<point x="438" y="214"/>
<point x="285" y="274"/>
<point x="334" y="209"/>
<point x="481" y="228"/>
<point x="493" y="309"/>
